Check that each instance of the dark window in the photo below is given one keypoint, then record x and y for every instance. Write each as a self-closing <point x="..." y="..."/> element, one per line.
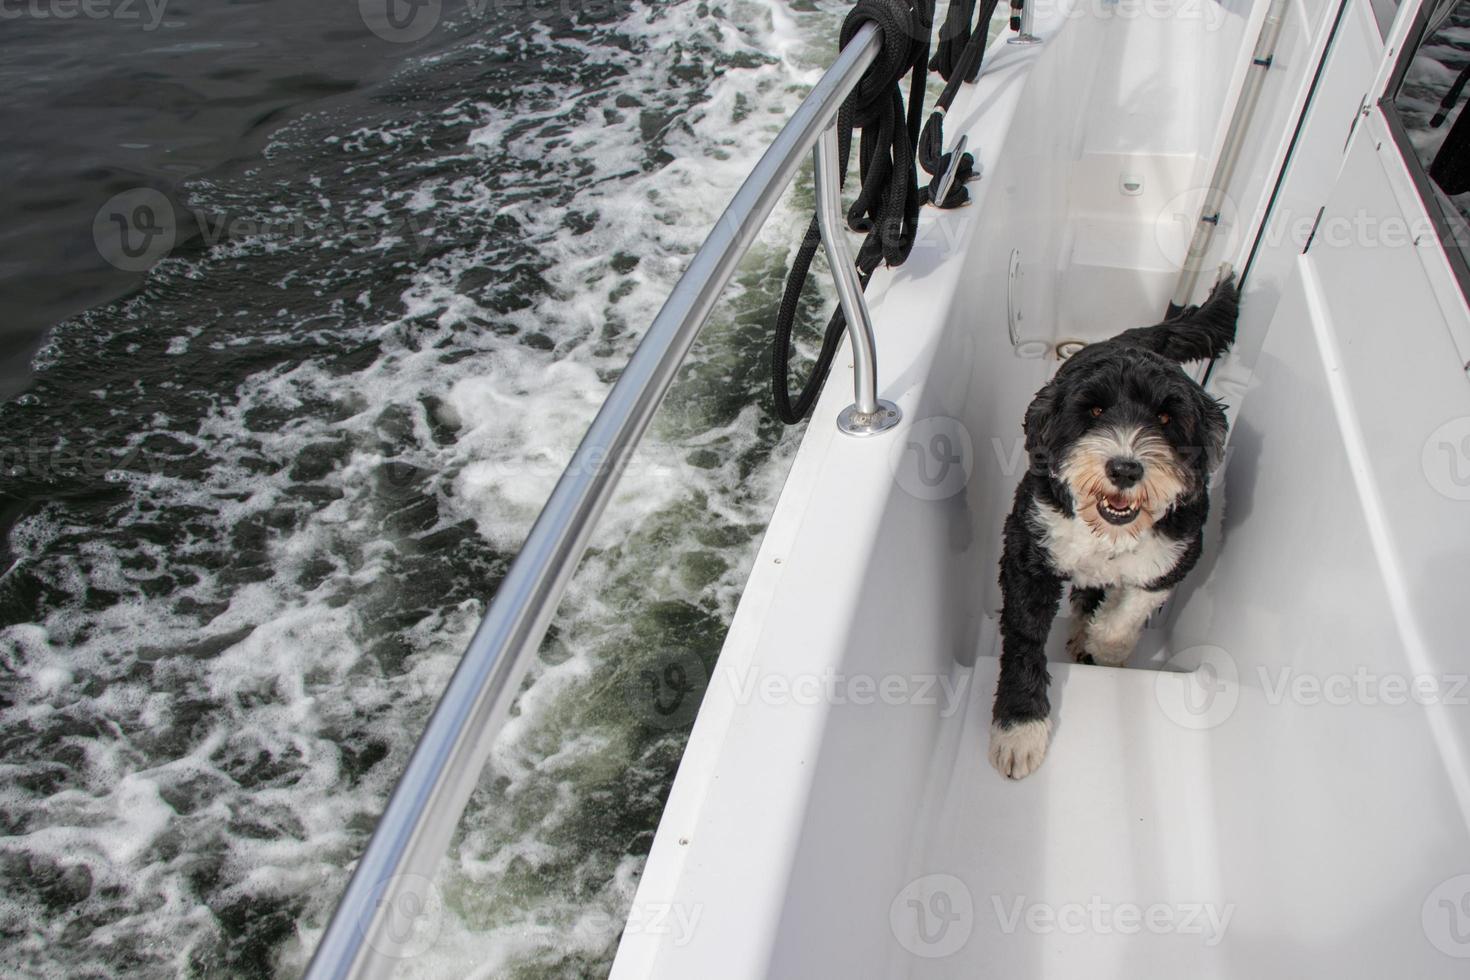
<point x="1425" y="108"/>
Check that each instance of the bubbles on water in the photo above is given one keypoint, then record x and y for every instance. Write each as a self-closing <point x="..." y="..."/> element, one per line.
<point x="323" y="450"/>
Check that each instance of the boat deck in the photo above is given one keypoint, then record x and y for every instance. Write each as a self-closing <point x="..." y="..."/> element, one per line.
<point x="1117" y="858"/>
<point x="1108" y="842"/>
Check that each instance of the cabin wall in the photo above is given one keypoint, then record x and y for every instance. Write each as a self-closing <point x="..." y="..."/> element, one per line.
<point x="1334" y="592"/>
<point x="1283" y="225"/>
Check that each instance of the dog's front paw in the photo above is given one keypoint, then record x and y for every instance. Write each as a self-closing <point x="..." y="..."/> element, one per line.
<point x="1108" y="651"/>
<point x="1094" y="646"/>
<point x="1016" y="752"/>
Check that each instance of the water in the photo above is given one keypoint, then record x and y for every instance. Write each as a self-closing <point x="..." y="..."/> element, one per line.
<point x="1431" y="73"/>
<point x="257" y="501"/>
<point x="150" y="93"/>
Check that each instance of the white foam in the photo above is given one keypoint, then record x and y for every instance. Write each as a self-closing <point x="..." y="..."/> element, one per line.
<point x="279" y="817"/>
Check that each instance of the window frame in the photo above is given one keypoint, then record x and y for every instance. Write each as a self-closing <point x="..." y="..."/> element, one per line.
<point x="1431" y="197"/>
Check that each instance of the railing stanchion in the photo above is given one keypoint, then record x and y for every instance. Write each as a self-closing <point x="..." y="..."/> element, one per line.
<point x="867" y="414"/>
<point x="1023" y="21"/>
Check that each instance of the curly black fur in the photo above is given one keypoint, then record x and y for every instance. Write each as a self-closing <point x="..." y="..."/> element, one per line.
<point x="1135" y="381"/>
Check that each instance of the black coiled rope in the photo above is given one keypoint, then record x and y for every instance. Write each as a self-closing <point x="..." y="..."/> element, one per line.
<point x="958" y="61"/>
<point x="887" y="205"/>
<point x="954" y="35"/>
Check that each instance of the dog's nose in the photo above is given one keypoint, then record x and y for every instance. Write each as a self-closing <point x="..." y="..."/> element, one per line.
<point x="1124" y="472"/>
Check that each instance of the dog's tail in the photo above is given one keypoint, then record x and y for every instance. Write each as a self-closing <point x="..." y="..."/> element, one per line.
<point x="1198" y="332"/>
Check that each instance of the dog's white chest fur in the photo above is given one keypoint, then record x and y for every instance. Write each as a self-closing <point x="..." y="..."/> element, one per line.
<point x="1092" y="560"/>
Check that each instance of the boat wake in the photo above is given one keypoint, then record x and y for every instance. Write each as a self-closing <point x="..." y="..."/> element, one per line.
<point x="262" y="503"/>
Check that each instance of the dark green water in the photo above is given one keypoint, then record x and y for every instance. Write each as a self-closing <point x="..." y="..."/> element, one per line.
<point x="260" y="489"/>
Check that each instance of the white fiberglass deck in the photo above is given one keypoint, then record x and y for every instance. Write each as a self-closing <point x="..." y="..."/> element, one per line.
<point x="1119" y="859"/>
<point x="1295" y="807"/>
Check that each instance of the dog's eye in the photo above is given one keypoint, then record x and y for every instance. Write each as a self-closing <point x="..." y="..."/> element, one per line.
<point x="1097" y="411"/>
<point x="1163" y="418"/>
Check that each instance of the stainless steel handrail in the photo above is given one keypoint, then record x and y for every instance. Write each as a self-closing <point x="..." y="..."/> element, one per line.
<point x="392" y="886"/>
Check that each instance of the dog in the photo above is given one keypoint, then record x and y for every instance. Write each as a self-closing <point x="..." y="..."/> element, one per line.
<point x="1120" y="446"/>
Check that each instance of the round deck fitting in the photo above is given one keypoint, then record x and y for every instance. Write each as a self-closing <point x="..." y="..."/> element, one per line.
<point x="856" y="423"/>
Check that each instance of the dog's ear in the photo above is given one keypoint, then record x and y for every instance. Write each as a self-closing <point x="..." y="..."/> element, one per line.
<point x="1037" y="425"/>
<point x="1212" y="431"/>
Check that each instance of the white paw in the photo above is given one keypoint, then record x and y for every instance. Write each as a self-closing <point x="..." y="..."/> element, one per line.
<point x="1092" y="643"/>
<point x="1016" y="752"/>
<point x="1110" y="654"/>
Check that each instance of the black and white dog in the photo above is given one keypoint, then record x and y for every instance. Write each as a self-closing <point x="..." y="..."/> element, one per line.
<point x="1121" y="444"/>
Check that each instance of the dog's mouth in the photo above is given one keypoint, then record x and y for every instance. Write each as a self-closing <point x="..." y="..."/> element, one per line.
<point x="1117" y="509"/>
